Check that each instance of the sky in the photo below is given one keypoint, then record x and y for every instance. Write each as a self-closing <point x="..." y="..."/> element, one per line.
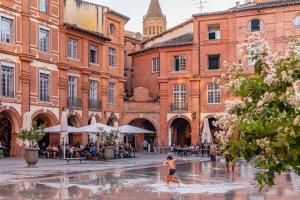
<point x="176" y="11"/>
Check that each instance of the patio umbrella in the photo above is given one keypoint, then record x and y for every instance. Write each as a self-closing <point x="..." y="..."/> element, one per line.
<point x="131" y="130"/>
<point x="64" y="139"/>
<point x="27" y="121"/>
<point x="206" y="134"/>
<point x="94" y="128"/>
<point x="93" y="136"/>
<point x="57" y="129"/>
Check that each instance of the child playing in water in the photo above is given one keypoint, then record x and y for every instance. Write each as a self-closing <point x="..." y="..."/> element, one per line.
<point x="170" y="162"/>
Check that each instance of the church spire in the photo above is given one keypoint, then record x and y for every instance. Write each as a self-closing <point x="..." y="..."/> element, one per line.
<point x="154" y="21"/>
<point x="154" y="10"/>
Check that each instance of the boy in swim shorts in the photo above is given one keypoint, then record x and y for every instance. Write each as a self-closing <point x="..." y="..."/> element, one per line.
<point x="170" y="162"/>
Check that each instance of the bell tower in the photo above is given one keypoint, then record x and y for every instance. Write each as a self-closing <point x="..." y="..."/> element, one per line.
<point x="154" y="21"/>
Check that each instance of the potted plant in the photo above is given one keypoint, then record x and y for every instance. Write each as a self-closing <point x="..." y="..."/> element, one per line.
<point x="109" y="139"/>
<point x="29" y="139"/>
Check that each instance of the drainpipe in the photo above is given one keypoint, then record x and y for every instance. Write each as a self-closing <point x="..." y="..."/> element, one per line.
<point x="199" y="68"/>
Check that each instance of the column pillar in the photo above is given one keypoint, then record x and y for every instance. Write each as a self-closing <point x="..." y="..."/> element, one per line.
<point x="85" y="101"/>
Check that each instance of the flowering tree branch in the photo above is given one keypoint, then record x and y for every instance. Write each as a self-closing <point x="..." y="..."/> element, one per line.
<point x="263" y="123"/>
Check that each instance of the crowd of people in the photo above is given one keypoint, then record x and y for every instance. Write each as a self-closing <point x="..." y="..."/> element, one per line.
<point x="202" y="149"/>
<point x="92" y="151"/>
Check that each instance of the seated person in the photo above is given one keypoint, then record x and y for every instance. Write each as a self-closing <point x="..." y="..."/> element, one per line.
<point x="93" y="150"/>
<point x="49" y="149"/>
<point x="55" y="151"/>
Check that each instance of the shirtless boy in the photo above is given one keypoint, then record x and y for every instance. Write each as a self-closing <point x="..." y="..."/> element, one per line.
<point x="170" y="162"/>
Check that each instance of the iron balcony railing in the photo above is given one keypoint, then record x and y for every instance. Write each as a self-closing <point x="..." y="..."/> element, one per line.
<point x="179" y="107"/>
<point x="45" y="98"/>
<point x="74" y="102"/>
<point x="95" y="104"/>
<point x="8" y="94"/>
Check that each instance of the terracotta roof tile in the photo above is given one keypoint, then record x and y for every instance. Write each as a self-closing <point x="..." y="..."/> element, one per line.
<point x="186" y="39"/>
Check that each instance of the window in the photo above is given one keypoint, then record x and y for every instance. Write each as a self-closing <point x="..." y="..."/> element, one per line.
<point x="150" y="30"/>
<point x="111" y="93"/>
<point x="297" y="21"/>
<point x="179" y="63"/>
<point x="93" y="54"/>
<point x="7" y="80"/>
<point x="213" y="32"/>
<point x="125" y="58"/>
<point x="44" y="86"/>
<point x="93" y="90"/>
<point x="255" y="25"/>
<point x="72" y="86"/>
<point x="213" y="93"/>
<point x="6" y="30"/>
<point x="111" y="29"/>
<point x="112" y="57"/>
<point x="213" y="62"/>
<point x="155" y="65"/>
<point x="43" y="40"/>
<point x="43" y="6"/>
<point x="72" y="48"/>
<point x="179" y="101"/>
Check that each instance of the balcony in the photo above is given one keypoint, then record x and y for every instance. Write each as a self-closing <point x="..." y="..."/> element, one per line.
<point x="45" y="98"/>
<point x="74" y="102"/>
<point x="179" y="107"/>
<point x="95" y="104"/>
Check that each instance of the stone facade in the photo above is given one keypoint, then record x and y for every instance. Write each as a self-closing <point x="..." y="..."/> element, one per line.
<point x="215" y="39"/>
<point x="49" y="66"/>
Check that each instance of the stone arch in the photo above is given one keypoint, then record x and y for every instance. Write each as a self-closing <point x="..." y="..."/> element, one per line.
<point x="153" y="122"/>
<point x="180" y="131"/>
<point x="48" y="116"/>
<point x="10" y="122"/>
<point x="98" y="118"/>
<point x="14" y="116"/>
<point x="75" y="120"/>
<point x="210" y="118"/>
<point x="113" y="120"/>
<point x="170" y="121"/>
<point x="138" y="139"/>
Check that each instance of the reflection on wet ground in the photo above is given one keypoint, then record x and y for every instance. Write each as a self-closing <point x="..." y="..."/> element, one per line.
<point x="198" y="181"/>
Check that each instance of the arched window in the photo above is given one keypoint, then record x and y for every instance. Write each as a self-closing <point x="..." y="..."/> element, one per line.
<point x="160" y="29"/>
<point x="150" y="30"/>
<point x="297" y="21"/>
<point x="157" y="28"/>
<point x="153" y="29"/>
<point x="111" y="29"/>
<point x="255" y="25"/>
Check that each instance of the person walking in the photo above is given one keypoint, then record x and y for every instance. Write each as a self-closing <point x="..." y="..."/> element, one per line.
<point x="155" y="146"/>
<point x="213" y="154"/>
<point x="145" y="145"/>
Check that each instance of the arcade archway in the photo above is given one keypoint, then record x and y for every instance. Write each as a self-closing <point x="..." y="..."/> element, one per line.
<point x="181" y="132"/>
<point x="208" y="131"/>
<point x="137" y="140"/>
<point x="74" y="121"/>
<point x="6" y="128"/>
<point x="44" y="119"/>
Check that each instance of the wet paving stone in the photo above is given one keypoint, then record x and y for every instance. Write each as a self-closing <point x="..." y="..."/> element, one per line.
<point x="198" y="182"/>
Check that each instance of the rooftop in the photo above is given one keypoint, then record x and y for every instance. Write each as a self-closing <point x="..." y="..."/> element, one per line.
<point x="186" y="39"/>
<point x="92" y="33"/>
<point x="253" y="6"/>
